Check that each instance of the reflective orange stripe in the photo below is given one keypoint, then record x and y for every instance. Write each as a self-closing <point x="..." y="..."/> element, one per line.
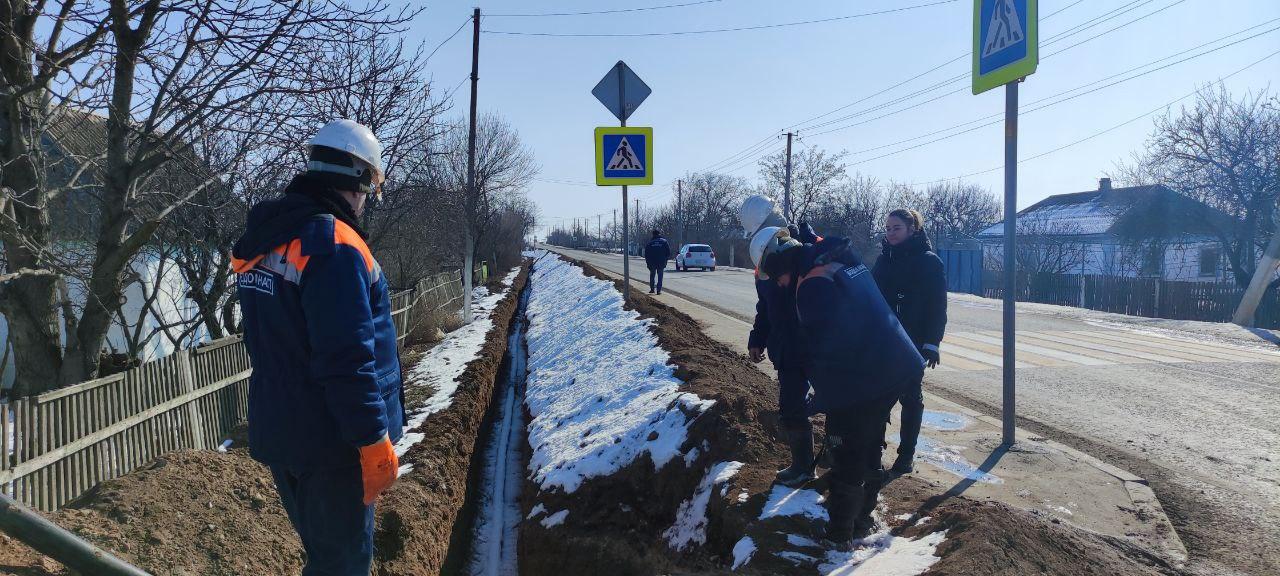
<point x="345" y="234"/>
<point x="825" y="271"/>
<point x="293" y="255"/>
<point x="241" y="266"/>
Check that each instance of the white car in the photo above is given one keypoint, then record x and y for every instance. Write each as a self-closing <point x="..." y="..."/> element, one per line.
<point x="695" y="256"/>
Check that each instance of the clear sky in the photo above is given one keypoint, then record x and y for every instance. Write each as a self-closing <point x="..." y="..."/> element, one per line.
<point x="718" y="94"/>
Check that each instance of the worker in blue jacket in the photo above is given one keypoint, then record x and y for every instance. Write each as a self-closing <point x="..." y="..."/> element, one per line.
<point x="776" y="331"/>
<point x="325" y="397"/>
<point x="859" y="361"/>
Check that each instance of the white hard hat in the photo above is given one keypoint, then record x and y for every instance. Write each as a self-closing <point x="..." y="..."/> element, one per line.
<point x="757" y="211"/>
<point x="767" y="242"/>
<point x="353" y="138"/>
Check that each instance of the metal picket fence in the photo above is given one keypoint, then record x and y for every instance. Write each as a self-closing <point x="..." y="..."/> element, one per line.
<point x="57" y="445"/>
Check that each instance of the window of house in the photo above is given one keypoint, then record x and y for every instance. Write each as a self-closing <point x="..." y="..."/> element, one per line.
<point x="1209" y="258"/>
<point x="1153" y="260"/>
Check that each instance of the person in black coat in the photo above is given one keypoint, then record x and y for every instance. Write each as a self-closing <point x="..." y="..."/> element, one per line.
<point x="859" y="361"/>
<point x="656" y="254"/>
<point x="912" y="279"/>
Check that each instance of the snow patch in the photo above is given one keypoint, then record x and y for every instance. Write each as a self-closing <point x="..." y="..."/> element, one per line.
<point x="945" y="421"/>
<point x="950" y="459"/>
<point x="802" y="542"/>
<point x="555" y="519"/>
<point x="690" y="526"/>
<point x="785" y="501"/>
<point x="539" y="509"/>
<point x="882" y="554"/>
<point x="743" y="551"/>
<point x="601" y="391"/>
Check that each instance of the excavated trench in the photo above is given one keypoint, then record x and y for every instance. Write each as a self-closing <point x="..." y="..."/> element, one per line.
<point x="495" y="502"/>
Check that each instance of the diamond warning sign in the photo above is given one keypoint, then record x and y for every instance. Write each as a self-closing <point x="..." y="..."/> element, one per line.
<point x="624" y="156"/>
<point x="1005" y="42"/>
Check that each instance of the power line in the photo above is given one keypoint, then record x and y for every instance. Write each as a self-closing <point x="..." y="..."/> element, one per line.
<point x="446" y="40"/>
<point x="592" y="13"/>
<point x="1103" y="131"/>
<point x="718" y="30"/>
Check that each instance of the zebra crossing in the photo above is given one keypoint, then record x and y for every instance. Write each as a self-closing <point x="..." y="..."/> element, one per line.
<point x="982" y="350"/>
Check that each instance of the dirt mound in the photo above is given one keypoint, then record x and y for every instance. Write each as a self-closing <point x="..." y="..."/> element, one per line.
<point x="193" y="512"/>
<point x="617" y="521"/>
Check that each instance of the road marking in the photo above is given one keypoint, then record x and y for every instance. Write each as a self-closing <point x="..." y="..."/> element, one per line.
<point x="976" y="342"/>
<point x="1222" y="353"/>
<point x="1125" y="344"/>
<point x="1068" y="357"/>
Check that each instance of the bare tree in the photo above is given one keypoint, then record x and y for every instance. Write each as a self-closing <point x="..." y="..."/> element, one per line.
<point x="1225" y="153"/>
<point x="166" y="74"/>
<point x="815" y="175"/>
<point x="954" y="210"/>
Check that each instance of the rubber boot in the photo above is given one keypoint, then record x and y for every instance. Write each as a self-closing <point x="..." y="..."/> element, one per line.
<point x="801" y="469"/>
<point x="865" y="524"/>
<point x="904" y="464"/>
<point x="844" y="507"/>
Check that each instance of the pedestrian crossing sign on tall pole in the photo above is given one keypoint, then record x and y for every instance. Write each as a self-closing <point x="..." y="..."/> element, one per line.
<point x="1006" y="43"/>
<point x="624" y="156"/>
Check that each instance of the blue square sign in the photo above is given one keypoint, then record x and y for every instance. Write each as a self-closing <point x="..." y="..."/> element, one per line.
<point x="1005" y="42"/>
<point x="624" y="156"/>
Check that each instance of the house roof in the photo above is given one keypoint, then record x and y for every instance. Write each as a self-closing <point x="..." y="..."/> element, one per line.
<point x="1133" y="212"/>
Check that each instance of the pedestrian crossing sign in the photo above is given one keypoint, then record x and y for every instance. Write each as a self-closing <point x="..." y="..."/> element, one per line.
<point x="1006" y="43"/>
<point x="624" y="156"/>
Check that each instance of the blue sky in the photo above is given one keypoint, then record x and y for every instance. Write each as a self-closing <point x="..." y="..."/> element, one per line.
<point x="716" y="94"/>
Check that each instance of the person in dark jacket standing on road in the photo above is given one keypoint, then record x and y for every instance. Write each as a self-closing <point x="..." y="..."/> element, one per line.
<point x="859" y="362"/>
<point x="325" y="397"/>
<point x="912" y="279"/>
<point x="656" y="254"/>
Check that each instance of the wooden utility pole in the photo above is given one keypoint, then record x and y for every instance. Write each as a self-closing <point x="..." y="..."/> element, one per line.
<point x="1262" y="275"/>
<point x="469" y="247"/>
<point x="786" y="184"/>
<point x="679" y="215"/>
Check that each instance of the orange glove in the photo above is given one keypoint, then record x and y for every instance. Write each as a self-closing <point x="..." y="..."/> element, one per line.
<point x="379" y="468"/>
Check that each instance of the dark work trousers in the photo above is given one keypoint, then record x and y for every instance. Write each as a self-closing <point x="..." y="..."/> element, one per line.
<point x="793" y="404"/>
<point x="912" y="400"/>
<point x="856" y="435"/>
<point x="326" y="508"/>
<point x="652" y="273"/>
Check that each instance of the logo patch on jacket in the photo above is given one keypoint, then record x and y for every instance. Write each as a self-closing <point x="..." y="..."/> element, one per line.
<point x="855" y="271"/>
<point x="258" y="280"/>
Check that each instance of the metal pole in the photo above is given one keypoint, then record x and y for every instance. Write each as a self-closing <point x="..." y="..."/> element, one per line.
<point x="1010" y="270"/>
<point x="786" y="185"/>
<point x="679" y="215"/>
<point x="626" y="254"/>
<point x="468" y="239"/>
<point x="615" y="225"/>
<point x="53" y="541"/>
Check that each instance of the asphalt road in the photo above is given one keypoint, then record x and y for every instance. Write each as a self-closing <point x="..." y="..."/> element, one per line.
<point x="1196" y="415"/>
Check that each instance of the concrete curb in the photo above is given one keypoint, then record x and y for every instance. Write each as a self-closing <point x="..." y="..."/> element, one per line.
<point x="1146" y="504"/>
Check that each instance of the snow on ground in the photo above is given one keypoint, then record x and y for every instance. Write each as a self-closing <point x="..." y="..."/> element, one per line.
<point x="601" y="391"/>
<point x="691" y="519"/>
<point x="785" y="501"/>
<point x="883" y="554"/>
<point x="555" y="519"/>
<point x="1207" y="332"/>
<point x="444" y="363"/>
<point x="743" y="551"/>
<point x="949" y="458"/>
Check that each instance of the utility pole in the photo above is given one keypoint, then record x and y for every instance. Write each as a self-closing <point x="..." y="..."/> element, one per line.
<point x="679" y="215"/>
<point x="786" y="185"/>
<point x="469" y="248"/>
<point x="615" y="224"/>
<point x="599" y="229"/>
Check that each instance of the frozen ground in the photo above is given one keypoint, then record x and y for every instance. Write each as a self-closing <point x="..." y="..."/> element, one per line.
<point x="601" y="391"/>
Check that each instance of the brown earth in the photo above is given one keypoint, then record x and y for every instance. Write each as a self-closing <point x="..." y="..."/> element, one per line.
<point x="210" y="513"/>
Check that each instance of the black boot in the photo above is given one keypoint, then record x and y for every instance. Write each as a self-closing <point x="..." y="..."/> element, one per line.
<point x="801" y="470"/>
<point x="904" y="463"/>
<point x="864" y="524"/>
<point x="844" y="507"/>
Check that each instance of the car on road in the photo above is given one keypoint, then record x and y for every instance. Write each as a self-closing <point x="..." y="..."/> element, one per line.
<point x="695" y="256"/>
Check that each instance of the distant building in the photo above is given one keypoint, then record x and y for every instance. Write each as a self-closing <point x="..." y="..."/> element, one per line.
<point x="1140" y="231"/>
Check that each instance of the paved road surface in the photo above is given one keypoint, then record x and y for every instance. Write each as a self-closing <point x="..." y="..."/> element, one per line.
<point x="1200" y="415"/>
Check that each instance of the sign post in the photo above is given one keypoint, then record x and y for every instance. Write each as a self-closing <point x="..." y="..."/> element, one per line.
<point x="1006" y="49"/>
<point x="621" y="91"/>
